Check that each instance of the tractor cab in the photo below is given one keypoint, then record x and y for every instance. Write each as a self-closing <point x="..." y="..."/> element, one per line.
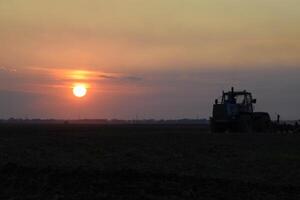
<point x="241" y="100"/>
<point x="233" y="103"/>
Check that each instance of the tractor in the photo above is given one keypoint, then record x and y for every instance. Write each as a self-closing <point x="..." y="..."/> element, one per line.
<point x="235" y="113"/>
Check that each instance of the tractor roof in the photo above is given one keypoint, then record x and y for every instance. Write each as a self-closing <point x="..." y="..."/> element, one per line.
<point x="244" y="92"/>
<point x="238" y="92"/>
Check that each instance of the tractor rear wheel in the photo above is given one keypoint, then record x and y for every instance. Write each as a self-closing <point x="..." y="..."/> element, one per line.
<point x="262" y="122"/>
<point x="245" y="123"/>
<point x="216" y="127"/>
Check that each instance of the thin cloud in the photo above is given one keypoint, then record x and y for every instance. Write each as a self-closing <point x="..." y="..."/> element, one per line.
<point x="68" y="76"/>
<point x="104" y="76"/>
<point x="8" y="69"/>
<point x="120" y="77"/>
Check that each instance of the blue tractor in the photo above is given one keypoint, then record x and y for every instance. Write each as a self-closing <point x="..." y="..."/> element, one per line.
<point x="235" y="113"/>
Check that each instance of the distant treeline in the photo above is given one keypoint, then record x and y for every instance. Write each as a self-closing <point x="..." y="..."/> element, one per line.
<point x="104" y="121"/>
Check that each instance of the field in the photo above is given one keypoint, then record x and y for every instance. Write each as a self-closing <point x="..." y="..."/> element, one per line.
<point x="145" y="162"/>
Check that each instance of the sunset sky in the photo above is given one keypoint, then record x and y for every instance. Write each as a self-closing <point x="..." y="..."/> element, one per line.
<point x="153" y="59"/>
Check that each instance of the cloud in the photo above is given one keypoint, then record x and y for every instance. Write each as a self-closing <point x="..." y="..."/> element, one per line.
<point x="7" y="69"/>
<point x="104" y="76"/>
<point x="120" y="77"/>
<point x="66" y="76"/>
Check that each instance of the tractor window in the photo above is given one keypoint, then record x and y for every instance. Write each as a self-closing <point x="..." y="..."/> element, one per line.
<point x="243" y="99"/>
<point x="226" y="98"/>
<point x="249" y="99"/>
<point x="240" y="99"/>
<point x="230" y="98"/>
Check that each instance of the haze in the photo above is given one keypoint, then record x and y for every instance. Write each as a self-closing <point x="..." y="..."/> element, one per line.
<point x="155" y="59"/>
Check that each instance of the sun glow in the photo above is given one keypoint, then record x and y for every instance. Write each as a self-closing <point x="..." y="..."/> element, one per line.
<point x="79" y="90"/>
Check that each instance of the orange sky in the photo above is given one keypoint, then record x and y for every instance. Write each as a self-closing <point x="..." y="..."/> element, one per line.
<point x="138" y="35"/>
<point x="123" y="48"/>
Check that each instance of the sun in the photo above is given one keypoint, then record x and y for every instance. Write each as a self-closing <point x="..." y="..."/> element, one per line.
<point x="79" y="90"/>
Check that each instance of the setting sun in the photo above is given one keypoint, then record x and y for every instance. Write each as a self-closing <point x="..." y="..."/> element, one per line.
<point x="79" y="90"/>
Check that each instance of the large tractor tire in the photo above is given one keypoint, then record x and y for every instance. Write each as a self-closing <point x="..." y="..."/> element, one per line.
<point x="244" y="123"/>
<point x="216" y="127"/>
<point x="262" y="122"/>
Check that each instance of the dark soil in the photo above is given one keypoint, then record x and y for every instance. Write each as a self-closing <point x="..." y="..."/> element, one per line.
<point x="145" y="162"/>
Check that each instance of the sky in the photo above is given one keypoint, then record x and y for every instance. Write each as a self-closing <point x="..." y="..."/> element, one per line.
<point x="152" y="59"/>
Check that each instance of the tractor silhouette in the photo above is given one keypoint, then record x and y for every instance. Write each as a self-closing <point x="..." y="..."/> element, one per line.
<point x="235" y="113"/>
